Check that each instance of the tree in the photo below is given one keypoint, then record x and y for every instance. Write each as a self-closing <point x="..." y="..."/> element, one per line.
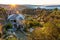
<point x="7" y="26"/>
<point x="3" y="13"/>
<point x="48" y="32"/>
<point x="55" y="9"/>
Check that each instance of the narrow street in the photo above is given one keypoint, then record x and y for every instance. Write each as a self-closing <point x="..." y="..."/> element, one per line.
<point x="21" y="35"/>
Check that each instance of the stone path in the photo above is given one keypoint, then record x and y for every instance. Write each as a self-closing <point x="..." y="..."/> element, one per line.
<point x="21" y="35"/>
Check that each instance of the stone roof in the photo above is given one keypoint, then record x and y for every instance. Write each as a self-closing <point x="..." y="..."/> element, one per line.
<point x="16" y="16"/>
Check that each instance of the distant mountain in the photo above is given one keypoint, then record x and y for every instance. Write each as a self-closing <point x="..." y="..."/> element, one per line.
<point x="20" y="7"/>
<point x="52" y="6"/>
<point x="43" y="6"/>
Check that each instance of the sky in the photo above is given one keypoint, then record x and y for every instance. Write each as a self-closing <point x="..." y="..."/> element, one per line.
<point x="31" y="2"/>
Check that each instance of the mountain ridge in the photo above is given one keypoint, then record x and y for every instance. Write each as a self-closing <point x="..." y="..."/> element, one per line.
<point x="31" y="6"/>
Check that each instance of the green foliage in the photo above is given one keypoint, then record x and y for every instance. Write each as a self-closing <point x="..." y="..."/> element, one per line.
<point x="3" y="13"/>
<point x="48" y="24"/>
<point x="7" y="26"/>
<point x="32" y="23"/>
<point x="11" y="38"/>
<point x="48" y="32"/>
<point x="55" y="9"/>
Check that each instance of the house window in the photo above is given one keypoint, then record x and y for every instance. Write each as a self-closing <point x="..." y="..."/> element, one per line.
<point x="14" y="20"/>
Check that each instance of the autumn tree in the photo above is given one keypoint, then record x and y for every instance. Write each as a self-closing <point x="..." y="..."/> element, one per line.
<point x="48" y="32"/>
<point x="3" y="13"/>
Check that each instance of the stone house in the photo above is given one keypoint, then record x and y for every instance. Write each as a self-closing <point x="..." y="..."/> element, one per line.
<point x="16" y="20"/>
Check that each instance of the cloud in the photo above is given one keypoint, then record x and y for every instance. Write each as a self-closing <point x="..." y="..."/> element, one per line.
<point x="33" y="2"/>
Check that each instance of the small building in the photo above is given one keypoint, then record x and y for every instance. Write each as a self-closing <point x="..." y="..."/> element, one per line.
<point x="16" y="20"/>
